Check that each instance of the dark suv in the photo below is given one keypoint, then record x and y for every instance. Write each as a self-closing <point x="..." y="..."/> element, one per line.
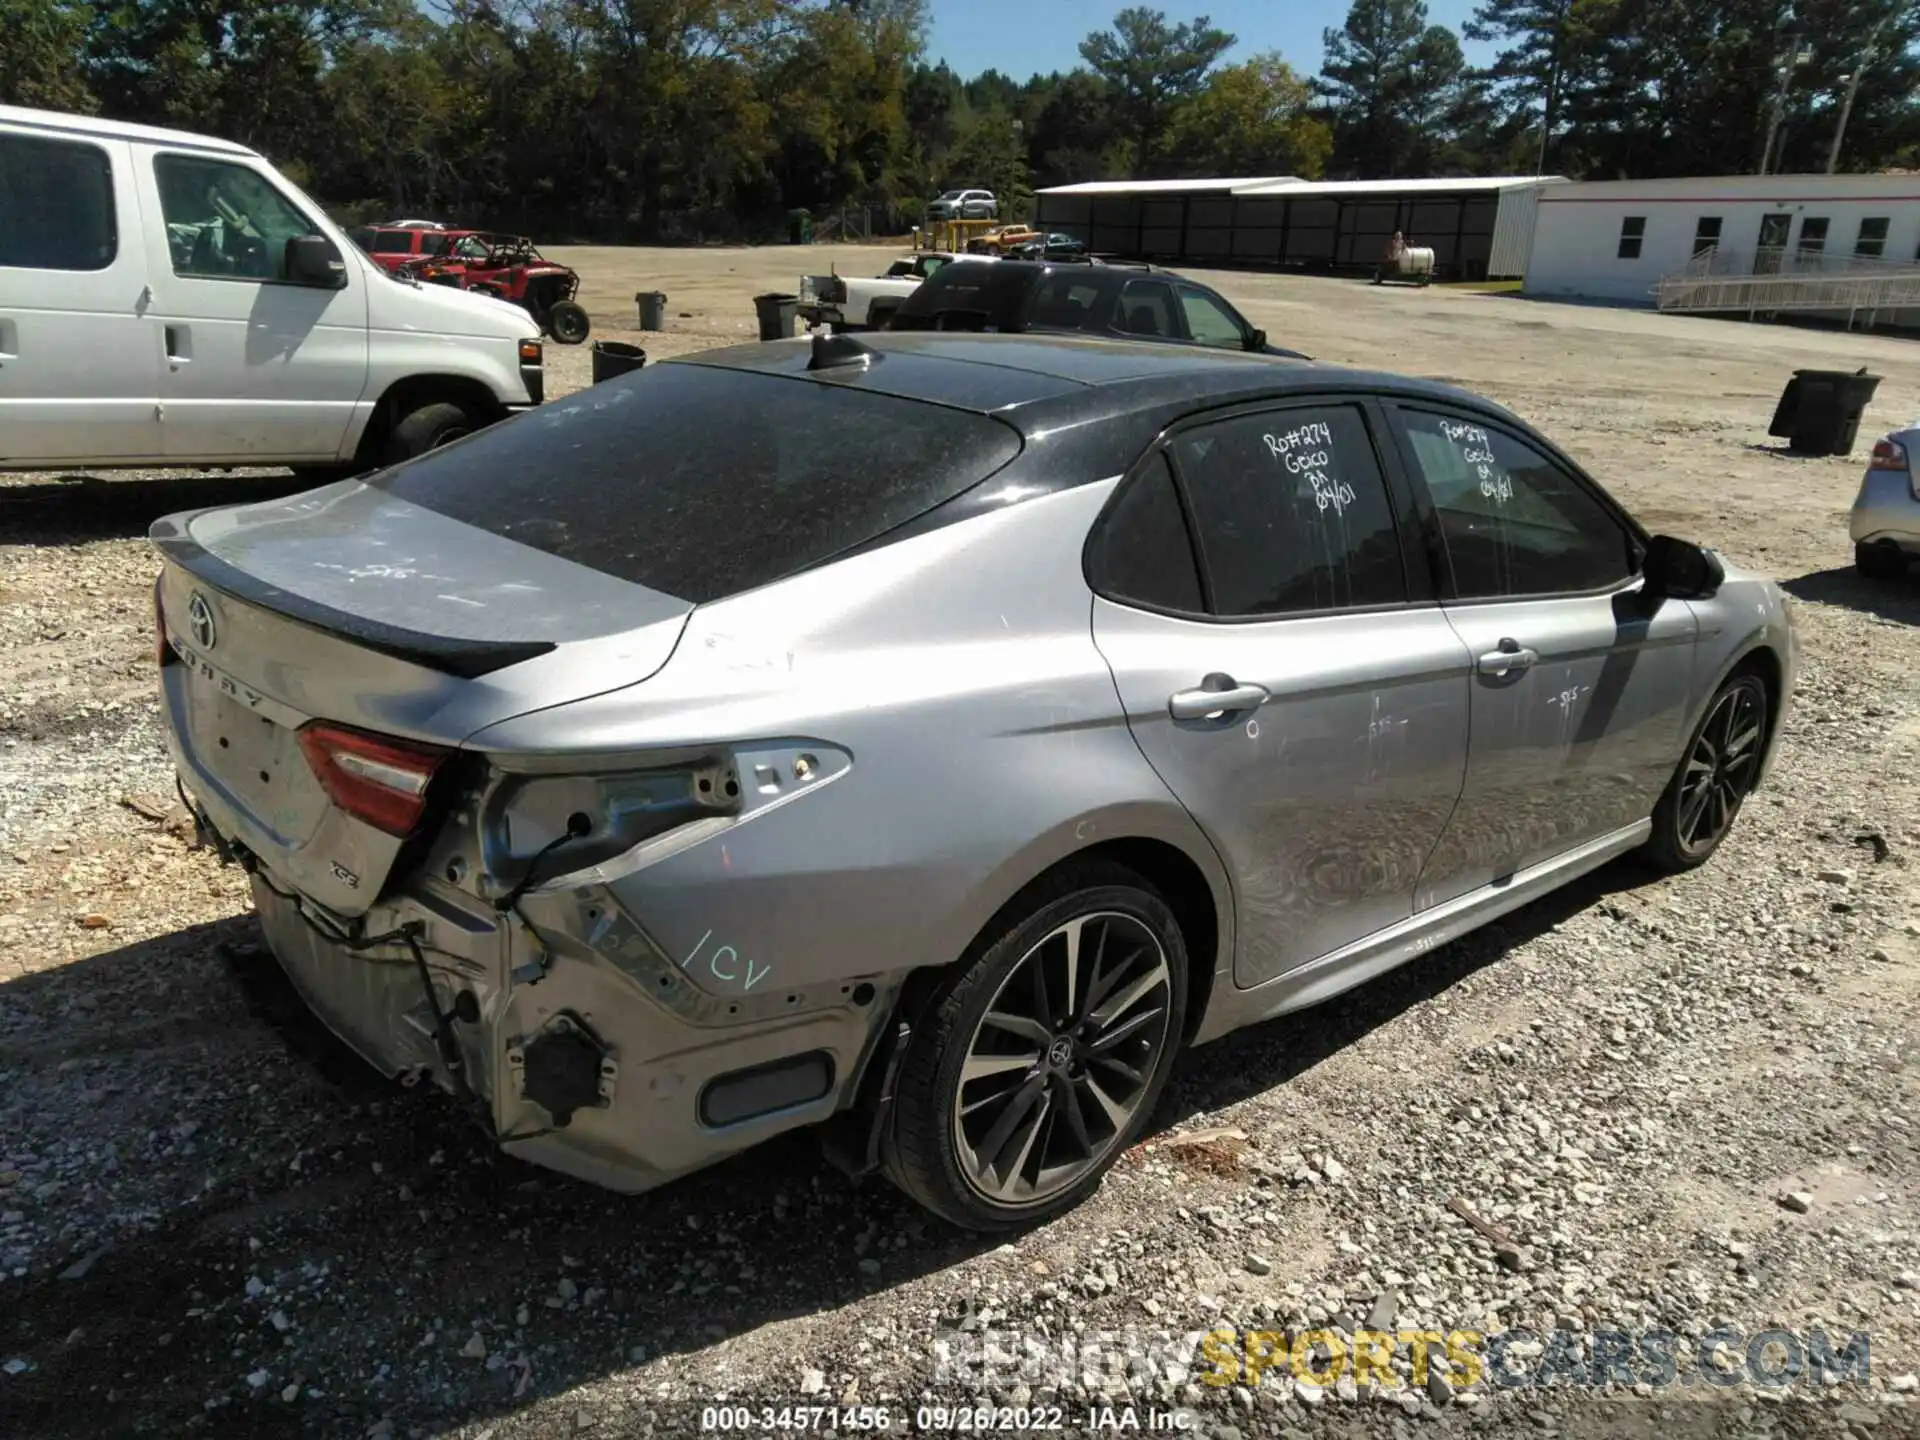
<point x="1121" y="302"/>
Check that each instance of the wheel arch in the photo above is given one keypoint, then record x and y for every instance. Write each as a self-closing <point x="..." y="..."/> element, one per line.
<point x="1759" y="658"/>
<point x="408" y="394"/>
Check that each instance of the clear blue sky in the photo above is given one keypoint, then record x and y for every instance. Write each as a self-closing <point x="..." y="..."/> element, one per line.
<point x="1026" y="37"/>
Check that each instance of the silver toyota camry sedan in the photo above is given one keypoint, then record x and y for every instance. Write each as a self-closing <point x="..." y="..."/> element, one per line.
<point x="927" y="737"/>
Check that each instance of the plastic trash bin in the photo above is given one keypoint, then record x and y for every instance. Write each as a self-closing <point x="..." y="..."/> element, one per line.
<point x="653" y="309"/>
<point x="615" y="357"/>
<point x="1819" y="411"/>
<point x="777" y="314"/>
<point x="799" y="227"/>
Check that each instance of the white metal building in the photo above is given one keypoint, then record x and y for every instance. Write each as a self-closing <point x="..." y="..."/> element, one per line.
<point x="1478" y="227"/>
<point x="1616" y="239"/>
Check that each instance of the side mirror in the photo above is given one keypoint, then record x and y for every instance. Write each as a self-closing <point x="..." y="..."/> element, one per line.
<point x="312" y="260"/>
<point x="1256" y="340"/>
<point x="1680" y="570"/>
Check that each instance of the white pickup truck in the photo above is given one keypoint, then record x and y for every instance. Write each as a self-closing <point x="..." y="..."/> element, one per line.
<point x="847" y="302"/>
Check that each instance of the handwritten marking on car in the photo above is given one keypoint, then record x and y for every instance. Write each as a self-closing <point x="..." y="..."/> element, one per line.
<point x="726" y="966"/>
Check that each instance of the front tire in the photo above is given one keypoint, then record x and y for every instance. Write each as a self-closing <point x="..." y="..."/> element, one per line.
<point x="1036" y="1064"/>
<point x="1716" y="773"/>
<point x="567" y="322"/>
<point x="428" y="427"/>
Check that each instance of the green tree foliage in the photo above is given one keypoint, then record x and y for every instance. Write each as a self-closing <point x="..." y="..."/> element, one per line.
<point x="40" y="43"/>
<point x="628" y="118"/>
<point x="1251" y="119"/>
<point x="1151" y="69"/>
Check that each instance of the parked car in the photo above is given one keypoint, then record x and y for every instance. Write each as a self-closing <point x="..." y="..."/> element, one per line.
<point x="393" y="246"/>
<point x="1885" y="522"/>
<point x="1051" y="246"/>
<point x="964" y="205"/>
<point x="1099" y="699"/>
<point x="851" y="302"/>
<point x="1131" y="301"/>
<point x="171" y="299"/>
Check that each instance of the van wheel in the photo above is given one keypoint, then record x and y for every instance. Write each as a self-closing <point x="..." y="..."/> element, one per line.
<point x="428" y="427"/>
<point x="567" y="322"/>
<point x="1034" y="1066"/>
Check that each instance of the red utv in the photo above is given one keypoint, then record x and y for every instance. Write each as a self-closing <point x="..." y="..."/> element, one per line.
<point x="508" y="266"/>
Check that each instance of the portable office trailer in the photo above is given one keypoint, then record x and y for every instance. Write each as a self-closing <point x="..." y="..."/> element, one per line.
<point x="1616" y="239"/>
<point x="1477" y="227"/>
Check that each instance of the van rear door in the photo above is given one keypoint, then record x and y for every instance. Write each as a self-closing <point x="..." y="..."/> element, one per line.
<point x="78" y="377"/>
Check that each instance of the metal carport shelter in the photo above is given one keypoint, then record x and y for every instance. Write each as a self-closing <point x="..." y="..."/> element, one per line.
<point x="1478" y="227"/>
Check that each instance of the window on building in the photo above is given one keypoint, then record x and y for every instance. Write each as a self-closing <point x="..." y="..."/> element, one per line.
<point x="1633" y="231"/>
<point x="1873" y="238"/>
<point x="1706" y="233"/>
<point x="1813" y="235"/>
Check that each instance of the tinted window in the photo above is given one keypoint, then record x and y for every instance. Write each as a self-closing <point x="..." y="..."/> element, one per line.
<point x="1633" y="233"/>
<point x="1065" y="301"/>
<point x="700" y="481"/>
<point x="1208" y="321"/>
<point x="1146" y="308"/>
<point x="224" y="221"/>
<point x="56" y="205"/>
<point x="966" y="295"/>
<point x="1141" y="553"/>
<point x="1292" y="512"/>
<point x="1511" y="521"/>
<point x="362" y="235"/>
<point x="392" y="242"/>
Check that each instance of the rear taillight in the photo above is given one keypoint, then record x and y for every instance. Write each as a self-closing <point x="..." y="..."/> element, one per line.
<point x="163" y="651"/>
<point x="1888" y="455"/>
<point x="372" y="777"/>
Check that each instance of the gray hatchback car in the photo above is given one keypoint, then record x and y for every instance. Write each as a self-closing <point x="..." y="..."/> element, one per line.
<point x="931" y="736"/>
<point x="1885" y="521"/>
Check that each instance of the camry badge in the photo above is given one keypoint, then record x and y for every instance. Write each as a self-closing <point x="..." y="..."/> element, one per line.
<point x="200" y="621"/>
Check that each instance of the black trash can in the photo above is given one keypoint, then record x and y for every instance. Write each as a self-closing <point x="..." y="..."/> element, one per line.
<point x="1819" y="411"/>
<point x="615" y="357"/>
<point x="653" y="309"/>
<point x="777" y="314"/>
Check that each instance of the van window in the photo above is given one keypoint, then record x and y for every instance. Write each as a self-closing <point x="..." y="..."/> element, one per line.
<point x="393" y="242"/>
<point x="56" y="205"/>
<point x="224" y="221"/>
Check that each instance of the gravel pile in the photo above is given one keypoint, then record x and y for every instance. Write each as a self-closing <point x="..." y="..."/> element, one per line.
<point x="1638" y="1105"/>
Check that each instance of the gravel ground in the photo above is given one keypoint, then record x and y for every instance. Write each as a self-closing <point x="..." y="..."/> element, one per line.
<point x="1685" y="1103"/>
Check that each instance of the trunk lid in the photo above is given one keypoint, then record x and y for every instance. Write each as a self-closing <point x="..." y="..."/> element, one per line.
<point x="353" y="607"/>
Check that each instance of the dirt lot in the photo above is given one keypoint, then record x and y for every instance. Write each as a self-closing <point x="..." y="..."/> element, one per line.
<point x="212" y="1222"/>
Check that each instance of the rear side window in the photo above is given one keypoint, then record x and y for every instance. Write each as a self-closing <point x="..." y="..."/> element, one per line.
<point x="56" y="205"/>
<point x="965" y="295"/>
<point x="1291" y="512"/>
<point x="392" y="242"/>
<point x="1141" y="553"/>
<point x="700" y="481"/>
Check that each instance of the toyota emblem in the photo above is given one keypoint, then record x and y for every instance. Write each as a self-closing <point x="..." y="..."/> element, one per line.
<point x="200" y="621"/>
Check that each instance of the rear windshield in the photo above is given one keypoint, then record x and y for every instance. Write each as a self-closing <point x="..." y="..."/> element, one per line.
<point x="700" y="481"/>
<point x="983" y="295"/>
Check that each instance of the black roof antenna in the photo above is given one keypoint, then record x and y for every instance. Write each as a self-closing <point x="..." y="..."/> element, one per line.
<point x="834" y="352"/>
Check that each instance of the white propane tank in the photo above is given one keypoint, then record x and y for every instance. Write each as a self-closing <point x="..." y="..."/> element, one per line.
<point x="1416" y="263"/>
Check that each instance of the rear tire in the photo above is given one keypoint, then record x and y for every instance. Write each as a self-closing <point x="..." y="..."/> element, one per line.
<point x="1715" y="775"/>
<point x="428" y="427"/>
<point x="1880" y="562"/>
<point x="567" y="322"/>
<point x="1090" y="1056"/>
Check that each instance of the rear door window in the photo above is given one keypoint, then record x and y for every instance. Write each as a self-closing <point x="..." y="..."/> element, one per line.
<point x="1146" y="309"/>
<point x="1065" y="301"/>
<point x="393" y="242"/>
<point x="1291" y="512"/>
<point x="56" y="205"/>
<point x="700" y="481"/>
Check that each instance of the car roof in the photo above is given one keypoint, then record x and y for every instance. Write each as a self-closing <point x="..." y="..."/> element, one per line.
<point x="1040" y="381"/>
<point x="60" y="122"/>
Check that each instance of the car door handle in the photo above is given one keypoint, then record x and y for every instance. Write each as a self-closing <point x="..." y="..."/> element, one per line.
<point x="179" y="346"/>
<point x="1509" y="659"/>
<point x="1218" y="699"/>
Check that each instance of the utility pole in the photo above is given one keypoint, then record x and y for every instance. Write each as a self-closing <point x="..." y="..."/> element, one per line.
<point x="1846" y="104"/>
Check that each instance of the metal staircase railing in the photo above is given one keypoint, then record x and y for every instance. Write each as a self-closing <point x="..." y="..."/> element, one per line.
<point x="1775" y="280"/>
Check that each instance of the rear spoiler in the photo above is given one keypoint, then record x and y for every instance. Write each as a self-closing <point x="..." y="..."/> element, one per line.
<point x="467" y="659"/>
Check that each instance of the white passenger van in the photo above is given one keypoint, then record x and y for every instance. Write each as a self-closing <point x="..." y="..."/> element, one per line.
<point x="169" y="299"/>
